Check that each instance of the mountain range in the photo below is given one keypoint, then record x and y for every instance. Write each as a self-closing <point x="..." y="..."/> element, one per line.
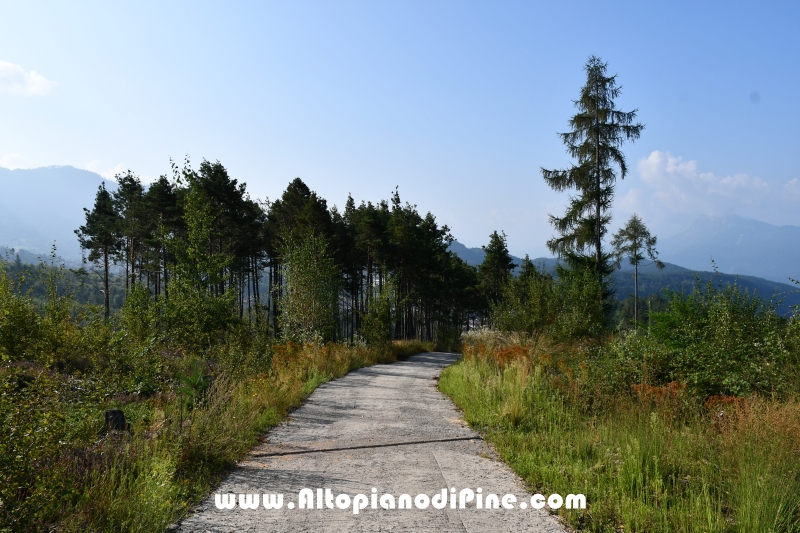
<point x="672" y="277"/>
<point x="731" y="244"/>
<point x="738" y="246"/>
<point x="42" y="206"/>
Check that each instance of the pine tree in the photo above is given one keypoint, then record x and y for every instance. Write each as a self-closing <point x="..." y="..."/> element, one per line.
<point x="164" y="221"/>
<point x="598" y="131"/>
<point x="129" y="203"/>
<point x="495" y="271"/>
<point x="634" y="241"/>
<point x="101" y="235"/>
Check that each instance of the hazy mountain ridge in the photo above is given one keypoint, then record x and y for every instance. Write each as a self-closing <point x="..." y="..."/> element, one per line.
<point x="41" y="206"/>
<point x="11" y="254"/>
<point x="737" y="245"/>
<point x="672" y="277"/>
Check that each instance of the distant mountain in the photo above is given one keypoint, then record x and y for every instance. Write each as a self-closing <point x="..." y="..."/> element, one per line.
<point x="45" y="205"/>
<point x="672" y="277"/>
<point x="474" y="256"/>
<point x="679" y="279"/>
<point x="738" y="246"/>
<point x="11" y="254"/>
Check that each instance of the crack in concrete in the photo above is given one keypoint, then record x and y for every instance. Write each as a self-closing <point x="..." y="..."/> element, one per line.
<point x="323" y="450"/>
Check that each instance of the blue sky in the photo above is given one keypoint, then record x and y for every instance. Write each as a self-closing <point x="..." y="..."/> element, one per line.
<point x="457" y="103"/>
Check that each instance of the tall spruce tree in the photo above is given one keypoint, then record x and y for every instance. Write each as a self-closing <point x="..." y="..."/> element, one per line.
<point x="102" y="236"/>
<point x="634" y="241"/>
<point x="598" y="131"/>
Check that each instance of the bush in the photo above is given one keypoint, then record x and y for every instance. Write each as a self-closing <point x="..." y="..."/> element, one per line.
<point x="19" y="321"/>
<point x="726" y="341"/>
<point x="608" y="423"/>
<point x="567" y="307"/>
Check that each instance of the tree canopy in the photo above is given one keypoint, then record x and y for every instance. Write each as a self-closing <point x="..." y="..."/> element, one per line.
<point x="198" y="239"/>
<point x="598" y="130"/>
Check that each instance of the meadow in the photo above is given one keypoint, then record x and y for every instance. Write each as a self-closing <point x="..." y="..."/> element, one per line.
<point x="692" y="424"/>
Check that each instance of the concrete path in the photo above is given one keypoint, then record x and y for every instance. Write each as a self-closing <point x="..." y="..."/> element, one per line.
<point x="385" y="427"/>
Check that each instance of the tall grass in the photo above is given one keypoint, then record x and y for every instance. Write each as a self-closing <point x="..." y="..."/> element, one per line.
<point x="648" y="457"/>
<point x="178" y="447"/>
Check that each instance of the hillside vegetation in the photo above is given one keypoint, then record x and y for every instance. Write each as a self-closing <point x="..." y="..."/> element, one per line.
<point x="199" y="361"/>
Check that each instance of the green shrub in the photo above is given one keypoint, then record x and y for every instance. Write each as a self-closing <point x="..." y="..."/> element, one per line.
<point x="727" y="341"/>
<point x="19" y="321"/>
<point x="536" y="303"/>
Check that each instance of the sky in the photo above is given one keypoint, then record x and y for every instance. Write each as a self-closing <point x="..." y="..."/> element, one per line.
<point x="456" y="103"/>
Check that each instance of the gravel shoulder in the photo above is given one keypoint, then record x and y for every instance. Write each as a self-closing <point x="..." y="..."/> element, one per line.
<point x="385" y="427"/>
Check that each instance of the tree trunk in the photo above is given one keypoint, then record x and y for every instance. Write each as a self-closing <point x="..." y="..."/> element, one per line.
<point x="164" y="258"/>
<point x="597" y="202"/>
<point x="636" y="294"/>
<point x="105" y="283"/>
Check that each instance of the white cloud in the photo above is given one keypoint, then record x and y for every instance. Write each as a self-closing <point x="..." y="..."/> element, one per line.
<point x="14" y="161"/>
<point x="792" y="189"/>
<point x="15" y="79"/>
<point x="108" y="173"/>
<point x="673" y="193"/>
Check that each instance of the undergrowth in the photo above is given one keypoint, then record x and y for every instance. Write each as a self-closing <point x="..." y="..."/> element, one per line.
<point x="650" y="456"/>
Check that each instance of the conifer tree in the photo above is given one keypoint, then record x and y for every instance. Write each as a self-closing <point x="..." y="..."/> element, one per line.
<point x="495" y="271"/>
<point x="101" y="236"/>
<point x="598" y="131"/>
<point x="164" y="220"/>
<point x="634" y="241"/>
<point x="129" y="203"/>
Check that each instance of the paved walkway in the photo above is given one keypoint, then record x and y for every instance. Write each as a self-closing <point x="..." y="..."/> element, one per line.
<point x="385" y="427"/>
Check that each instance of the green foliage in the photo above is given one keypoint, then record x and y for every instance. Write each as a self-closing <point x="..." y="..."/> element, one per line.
<point x="194" y="384"/>
<point x="529" y="302"/>
<point x="728" y="341"/>
<point x="198" y="309"/>
<point x="102" y="236"/>
<point x="308" y="304"/>
<point x="376" y="325"/>
<point x="495" y="270"/>
<point x="598" y="131"/>
<point x="19" y="321"/>
<point x="581" y="305"/>
<point x="623" y="313"/>
<point x="566" y="307"/>
<point x="139" y="316"/>
<point x="635" y="242"/>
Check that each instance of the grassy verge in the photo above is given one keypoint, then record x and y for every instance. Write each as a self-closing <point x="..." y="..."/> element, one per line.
<point x="651" y="460"/>
<point x="60" y="474"/>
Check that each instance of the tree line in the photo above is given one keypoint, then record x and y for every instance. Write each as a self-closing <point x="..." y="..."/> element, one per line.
<point x="376" y="271"/>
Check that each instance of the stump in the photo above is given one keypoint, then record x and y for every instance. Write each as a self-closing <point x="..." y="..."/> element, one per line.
<point x="115" y="420"/>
